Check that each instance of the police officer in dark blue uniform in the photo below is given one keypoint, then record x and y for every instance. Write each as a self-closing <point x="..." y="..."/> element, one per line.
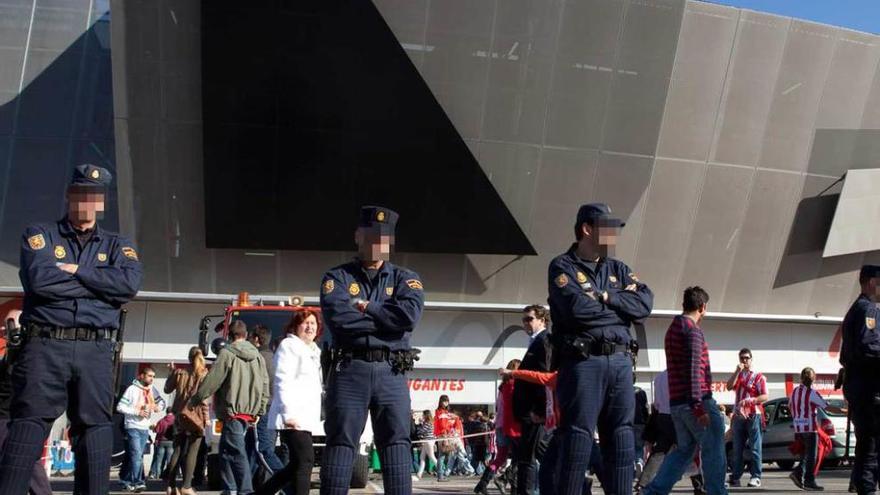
<point x="860" y="357"/>
<point x="370" y="307"/>
<point x="76" y="277"/>
<point x="594" y="299"/>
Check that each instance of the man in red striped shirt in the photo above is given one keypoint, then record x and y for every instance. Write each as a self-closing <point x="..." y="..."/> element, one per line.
<point x="803" y="403"/>
<point x="748" y="417"/>
<point x="697" y="419"/>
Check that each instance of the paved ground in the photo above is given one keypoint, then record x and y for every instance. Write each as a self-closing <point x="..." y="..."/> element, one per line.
<point x="775" y="482"/>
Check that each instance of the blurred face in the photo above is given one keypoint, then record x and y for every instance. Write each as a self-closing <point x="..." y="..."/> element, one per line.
<point x="147" y="377"/>
<point x="373" y="245"/>
<point x="444" y="404"/>
<point x="85" y="204"/>
<point x="308" y="329"/>
<point x="532" y="323"/>
<point x="746" y="360"/>
<point x="603" y="238"/>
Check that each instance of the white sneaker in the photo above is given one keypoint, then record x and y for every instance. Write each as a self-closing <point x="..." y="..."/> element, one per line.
<point x="755" y="483"/>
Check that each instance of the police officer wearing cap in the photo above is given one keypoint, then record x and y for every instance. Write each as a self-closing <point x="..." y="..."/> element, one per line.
<point x="594" y="299"/>
<point x="860" y="357"/>
<point x="76" y="277"/>
<point x="370" y="307"/>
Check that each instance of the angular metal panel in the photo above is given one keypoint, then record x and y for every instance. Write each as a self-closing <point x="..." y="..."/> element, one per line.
<point x="854" y="229"/>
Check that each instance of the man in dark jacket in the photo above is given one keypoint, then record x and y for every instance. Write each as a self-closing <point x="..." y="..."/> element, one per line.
<point x="530" y="400"/>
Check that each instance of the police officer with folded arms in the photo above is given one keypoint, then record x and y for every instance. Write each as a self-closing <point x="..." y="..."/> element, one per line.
<point x="370" y="307"/>
<point x="860" y="357"/>
<point x="76" y="277"/>
<point x="594" y="299"/>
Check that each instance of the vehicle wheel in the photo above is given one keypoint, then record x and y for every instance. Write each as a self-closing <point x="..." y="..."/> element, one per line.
<point x="786" y="465"/>
<point x="214" y="481"/>
<point x="360" y="474"/>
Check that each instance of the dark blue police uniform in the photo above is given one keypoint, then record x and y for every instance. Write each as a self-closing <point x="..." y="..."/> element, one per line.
<point x="592" y="339"/>
<point x="364" y="377"/>
<point x="860" y="356"/>
<point x="66" y="362"/>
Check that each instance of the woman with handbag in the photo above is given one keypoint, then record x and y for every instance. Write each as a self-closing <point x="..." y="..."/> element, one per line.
<point x="189" y="424"/>
<point x="296" y="402"/>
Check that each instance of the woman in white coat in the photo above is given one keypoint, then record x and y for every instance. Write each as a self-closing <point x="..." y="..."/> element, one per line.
<point x="296" y="404"/>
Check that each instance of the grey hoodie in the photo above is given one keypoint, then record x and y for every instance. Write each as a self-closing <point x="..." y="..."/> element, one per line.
<point x="240" y="382"/>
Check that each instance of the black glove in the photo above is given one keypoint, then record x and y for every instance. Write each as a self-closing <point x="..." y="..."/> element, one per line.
<point x="841" y="376"/>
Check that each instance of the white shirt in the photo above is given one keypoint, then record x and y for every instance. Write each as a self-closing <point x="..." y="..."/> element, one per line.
<point x="533" y="336"/>
<point x="297" y="393"/>
<point x="661" y="392"/>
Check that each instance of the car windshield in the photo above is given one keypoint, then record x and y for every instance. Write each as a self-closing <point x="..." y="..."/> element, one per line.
<point x="836" y="403"/>
<point x="271" y="319"/>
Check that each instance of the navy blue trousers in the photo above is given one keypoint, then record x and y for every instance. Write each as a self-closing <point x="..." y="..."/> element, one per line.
<point x="596" y="393"/>
<point x="355" y="388"/>
<point x="48" y="377"/>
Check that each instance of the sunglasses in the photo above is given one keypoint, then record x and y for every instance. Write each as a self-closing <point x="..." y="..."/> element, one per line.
<point x="527" y="319"/>
<point x="745" y="358"/>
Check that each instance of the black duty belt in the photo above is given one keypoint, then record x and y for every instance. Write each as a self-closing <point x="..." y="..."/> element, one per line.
<point x="70" y="333"/>
<point x="368" y="355"/>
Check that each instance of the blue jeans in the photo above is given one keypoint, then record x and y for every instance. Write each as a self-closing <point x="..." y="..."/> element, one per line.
<point x="689" y="435"/>
<point x="746" y="429"/>
<point x="266" y="444"/>
<point x="235" y="469"/>
<point x="162" y="452"/>
<point x="135" y="443"/>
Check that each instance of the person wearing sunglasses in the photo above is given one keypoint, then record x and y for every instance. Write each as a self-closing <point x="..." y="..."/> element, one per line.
<point x="529" y="399"/>
<point x="748" y="417"/>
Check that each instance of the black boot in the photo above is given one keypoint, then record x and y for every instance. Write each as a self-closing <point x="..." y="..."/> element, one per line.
<point x="697" y="482"/>
<point x="482" y="486"/>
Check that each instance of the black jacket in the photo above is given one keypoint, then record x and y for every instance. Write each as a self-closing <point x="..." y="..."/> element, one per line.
<point x="531" y="397"/>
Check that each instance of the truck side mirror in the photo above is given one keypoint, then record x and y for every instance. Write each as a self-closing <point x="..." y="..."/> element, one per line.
<point x="218" y="345"/>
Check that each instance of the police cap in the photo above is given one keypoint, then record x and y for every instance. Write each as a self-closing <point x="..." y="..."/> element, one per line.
<point x="88" y="175"/>
<point x="378" y="218"/>
<point x="868" y="272"/>
<point x="597" y="214"/>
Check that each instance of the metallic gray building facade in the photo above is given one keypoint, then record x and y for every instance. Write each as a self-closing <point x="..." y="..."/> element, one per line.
<point x="710" y="129"/>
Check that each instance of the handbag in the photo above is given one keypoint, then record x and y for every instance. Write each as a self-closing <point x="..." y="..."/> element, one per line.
<point x="446" y="445"/>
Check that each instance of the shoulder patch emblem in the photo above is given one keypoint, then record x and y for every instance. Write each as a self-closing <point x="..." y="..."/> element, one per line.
<point x="328" y="286"/>
<point x="581" y="278"/>
<point x="102" y="256"/>
<point x="354" y="289"/>
<point x="130" y="253"/>
<point x="36" y="242"/>
<point x="633" y="277"/>
<point x="380" y="216"/>
<point x="389" y="291"/>
<point x="414" y="284"/>
<point x="871" y="323"/>
<point x="612" y="279"/>
<point x="96" y="174"/>
<point x="60" y="253"/>
<point x="561" y="280"/>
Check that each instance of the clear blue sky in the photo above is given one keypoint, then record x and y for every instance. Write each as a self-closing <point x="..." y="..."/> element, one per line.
<point x="861" y="15"/>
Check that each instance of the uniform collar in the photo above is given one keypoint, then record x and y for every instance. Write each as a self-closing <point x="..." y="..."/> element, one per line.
<point x="66" y="229"/>
<point x="572" y="254"/>
<point x="386" y="266"/>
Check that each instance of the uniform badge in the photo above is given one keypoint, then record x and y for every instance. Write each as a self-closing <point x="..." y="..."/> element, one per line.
<point x="60" y="253"/>
<point x="561" y="280"/>
<point x="581" y="278"/>
<point x="633" y="277"/>
<point x="380" y="216"/>
<point x="612" y="279"/>
<point x="871" y="323"/>
<point x="96" y="174"/>
<point x="414" y="284"/>
<point x="36" y="242"/>
<point x="354" y="289"/>
<point x="130" y="253"/>
<point x="102" y="256"/>
<point x="389" y="291"/>
<point x="328" y="286"/>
